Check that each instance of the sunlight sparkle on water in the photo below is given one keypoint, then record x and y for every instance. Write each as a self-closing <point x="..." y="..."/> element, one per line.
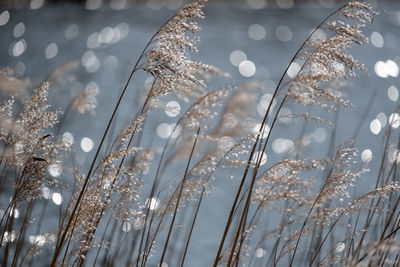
<point x="282" y="145"/>
<point x="264" y="132"/>
<point x="36" y="4"/>
<point x="293" y="70"/>
<point x="126" y="227"/>
<point x="285" y="4"/>
<point x="123" y="29"/>
<point x="260" y="252"/>
<point x="46" y="192"/>
<point x="177" y="132"/>
<point x="247" y="68"/>
<point x="262" y="106"/>
<point x="172" y="109"/>
<point x="393" y="93"/>
<point x="106" y="35"/>
<point x="319" y="34"/>
<point x="18" y="48"/>
<point x="93" y="40"/>
<point x="375" y="126"/>
<point x="154" y="203"/>
<point x="285" y="115"/>
<point x="164" y="130"/>
<point x="118" y="4"/>
<point x="38" y="240"/>
<point x="257" y="32"/>
<point x="256" y="158"/>
<point x="9" y="237"/>
<point x="154" y="4"/>
<point x="382" y="119"/>
<point x="87" y="144"/>
<point x="283" y="33"/>
<point x="72" y="32"/>
<point x="340" y="247"/>
<point x="55" y="169"/>
<point x="15" y="213"/>
<point x="256" y="4"/>
<point x="366" y="155"/>
<point x="394" y="120"/>
<point x="57" y="198"/>
<point x="90" y="61"/>
<point x="327" y="3"/>
<point x="377" y="39"/>
<point x="19" y="30"/>
<point x="92" y="4"/>
<point x="386" y="69"/>
<point x="68" y="139"/>
<point x="51" y="51"/>
<point x="319" y="135"/>
<point x="237" y="57"/>
<point x="4" y="17"/>
<point x="20" y="68"/>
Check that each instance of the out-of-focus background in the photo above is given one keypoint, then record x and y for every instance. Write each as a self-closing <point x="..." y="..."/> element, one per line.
<point x="172" y="4"/>
<point x="250" y="39"/>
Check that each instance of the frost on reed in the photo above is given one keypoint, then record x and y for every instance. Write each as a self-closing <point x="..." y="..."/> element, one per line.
<point x="128" y="210"/>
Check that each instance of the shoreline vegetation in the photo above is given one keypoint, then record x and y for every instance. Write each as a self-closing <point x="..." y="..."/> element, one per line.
<point x="118" y="213"/>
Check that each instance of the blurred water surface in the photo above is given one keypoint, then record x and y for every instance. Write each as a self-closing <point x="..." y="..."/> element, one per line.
<point x="105" y="43"/>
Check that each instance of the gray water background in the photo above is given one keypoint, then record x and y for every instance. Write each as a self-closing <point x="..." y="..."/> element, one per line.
<point x="224" y="30"/>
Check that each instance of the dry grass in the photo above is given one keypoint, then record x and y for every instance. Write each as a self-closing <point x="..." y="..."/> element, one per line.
<point x="321" y="219"/>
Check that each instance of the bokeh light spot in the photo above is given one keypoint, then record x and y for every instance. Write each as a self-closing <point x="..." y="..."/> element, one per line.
<point x="285" y="4"/>
<point x="19" y="30"/>
<point x="260" y="252"/>
<point x="237" y="57"/>
<point x="164" y="130"/>
<point x="51" y="51"/>
<point x="4" y="17"/>
<point x="126" y="227"/>
<point x="257" y="32"/>
<point x="375" y="126"/>
<point x="154" y="203"/>
<point x="256" y="4"/>
<point x="394" y="120"/>
<point x="55" y="169"/>
<point x="259" y="156"/>
<point x="68" y="139"/>
<point x="366" y="155"/>
<point x="393" y="93"/>
<point x="320" y="135"/>
<point x="71" y="32"/>
<point x="36" y="4"/>
<point x="282" y="145"/>
<point x="340" y="247"/>
<point x="283" y="33"/>
<point x="18" y="48"/>
<point x="92" y="4"/>
<point x="57" y="198"/>
<point x="382" y="119"/>
<point x="87" y="144"/>
<point x="247" y="68"/>
<point x="377" y="39"/>
<point x="293" y="70"/>
<point x="172" y="109"/>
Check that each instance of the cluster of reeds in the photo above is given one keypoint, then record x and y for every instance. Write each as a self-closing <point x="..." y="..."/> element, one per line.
<point x="296" y="211"/>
